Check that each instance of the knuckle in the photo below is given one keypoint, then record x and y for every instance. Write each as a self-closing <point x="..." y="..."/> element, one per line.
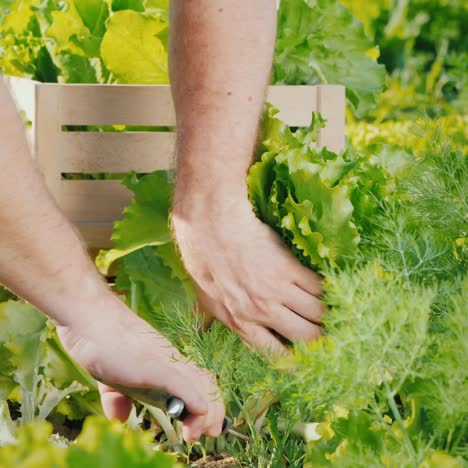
<point x="313" y="332"/>
<point x="261" y="300"/>
<point x="233" y="321"/>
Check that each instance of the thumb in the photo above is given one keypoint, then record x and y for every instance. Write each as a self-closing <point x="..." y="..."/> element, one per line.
<point x="114" y="404"/>
<point x="186" y="386"/>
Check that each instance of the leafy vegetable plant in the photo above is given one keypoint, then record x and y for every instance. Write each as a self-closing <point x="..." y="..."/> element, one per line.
<point x="384" y="222"/>
<point x="380" y="386"/>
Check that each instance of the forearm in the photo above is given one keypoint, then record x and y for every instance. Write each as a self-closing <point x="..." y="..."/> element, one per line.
<point x="41" y="256"/>
<point x="220" y="62"/>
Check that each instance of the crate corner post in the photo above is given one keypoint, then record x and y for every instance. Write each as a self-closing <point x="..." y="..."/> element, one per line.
<point x="331" y="103"/>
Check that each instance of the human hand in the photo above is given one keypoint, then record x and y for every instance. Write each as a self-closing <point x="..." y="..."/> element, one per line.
<point x="117" y="347"/>
<point x="245" y="276"/>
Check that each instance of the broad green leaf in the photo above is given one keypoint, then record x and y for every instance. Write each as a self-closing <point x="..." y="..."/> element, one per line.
<point x="102" y="443"/>
<point x="61" y="368"/>
<point x="137" y="5"/>
<point x="94" y="14"/>
<point x="67" y="24"/>
<point x="321" y="42"/>
<point x="171" y="258"/>
<point x="33" y="359"/>
<point x="45" y="69"/>
<point x="275" y="133"/>
<point x="132" y="50"/>
<point x="22" y="330"/>
<point x="145" y="221"/>
<point x="108" y="444"/>
<point x="259" y="180"/>
<point x="5" y="294"/>
<point x="157" y="4"/>
<point x="23" y="50"/>
<point x="76" y="68"/>
<point x="20" y="16"/>
<point x="34" y="449"/>
<point x="157" y="284"/>
<point x="7" y="426"/>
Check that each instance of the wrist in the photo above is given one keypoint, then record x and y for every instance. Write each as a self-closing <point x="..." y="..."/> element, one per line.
<point x="207" y="195"/>
<point x="76" y="297"/>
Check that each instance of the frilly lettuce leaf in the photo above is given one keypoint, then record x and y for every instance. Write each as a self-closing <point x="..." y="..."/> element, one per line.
<point x="321" y="202"/>
<point x="303" y="193"/>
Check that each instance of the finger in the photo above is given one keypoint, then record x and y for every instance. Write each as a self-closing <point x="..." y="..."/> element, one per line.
<point x="255" y="336"/>
<point x="210" y="424"/>
<point x="216" y="419"/>
<point x="292" y="326"/>
<point x="193" y="428"/>
<point x="262" y="339"/>
<point x="114" y="404"/>
<point x="309" y="280"/>
<point x="304" y="304"/>
<point x="177" y="383"/>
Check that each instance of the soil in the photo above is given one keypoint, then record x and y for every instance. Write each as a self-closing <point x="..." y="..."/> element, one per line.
<point x="223" y="460"/>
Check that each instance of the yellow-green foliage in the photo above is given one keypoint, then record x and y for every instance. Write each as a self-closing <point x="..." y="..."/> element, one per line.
<point x="415" y="136"/>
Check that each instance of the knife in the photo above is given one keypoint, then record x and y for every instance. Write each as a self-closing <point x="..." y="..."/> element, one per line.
<point x="174" y="407"/>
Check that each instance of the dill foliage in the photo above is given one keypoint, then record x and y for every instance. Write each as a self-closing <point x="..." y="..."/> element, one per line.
<point x="386" y="226"/>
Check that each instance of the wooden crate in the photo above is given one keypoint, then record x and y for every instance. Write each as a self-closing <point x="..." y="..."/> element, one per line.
<point x="94" y="205"/>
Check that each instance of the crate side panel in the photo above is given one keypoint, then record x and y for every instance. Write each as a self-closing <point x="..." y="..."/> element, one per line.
<point x="295" y="103"/>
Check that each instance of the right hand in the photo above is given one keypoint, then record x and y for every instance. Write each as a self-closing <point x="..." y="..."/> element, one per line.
<point x="118" y="347"/>
<point x="245" y="275"/>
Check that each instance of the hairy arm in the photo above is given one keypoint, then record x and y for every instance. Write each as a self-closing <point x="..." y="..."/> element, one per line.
<point x="43" y="261"/>
<point x="41" y="256"/>
<point x="220" y="61"/>
<point x="221" y="55"/>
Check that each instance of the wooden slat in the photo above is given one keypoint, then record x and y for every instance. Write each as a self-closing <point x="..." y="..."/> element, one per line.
<point x="295" y="103"/>
<point x="92" y="200"/>
<point x="96" y="236"/>
<point x="114" y="104"/>
<point x="116" y="152"/>
<point x="152" y="104"/>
